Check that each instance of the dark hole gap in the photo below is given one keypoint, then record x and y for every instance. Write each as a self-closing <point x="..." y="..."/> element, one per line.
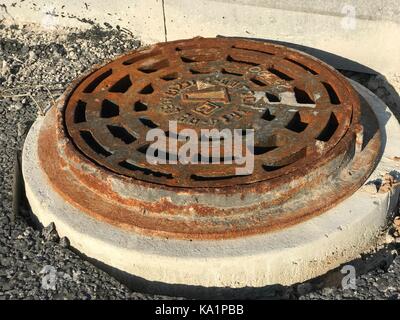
<point x="332" y="94"/>
<point x="194" y="71"/>
<point x="329" y="129"/>
<point x="258" y="82"/>
<point x="171" y="76"/>
<point x="122" y="85"/>
<point x="302" y="66"/>
<point x="302" y="96"/>
<point x="270" y="168"/>
<point x="147" y="89"/>
<point x="268" y="116"/>
<point x="211" y="160"/>
<point x="143" y="149"/>
<point x="139" y="106"/>
<point x="148" y="123"/>
<point x="92" y="143"/>
<point x="196" y="177"/>
<point x="121" y="133"/>
<point x="146" y="171"/>
<point x="263" y="149"/>
<point x="93" y="85"/>
<point x="272" y="97"/>
<point x="280" y="74"/>
<point x="296" y="125"/>
<point x="109" y="109"/>
<point x="187" y="60"/>
<point x="80" y="112"/>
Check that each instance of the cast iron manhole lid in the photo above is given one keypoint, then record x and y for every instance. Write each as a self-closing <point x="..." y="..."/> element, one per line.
<point x="299" y="108"/>
<point x="313" y="146"/>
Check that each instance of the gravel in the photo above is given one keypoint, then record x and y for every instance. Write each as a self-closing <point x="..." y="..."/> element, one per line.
<point x="382" y="283"/>
<point x="35" y="68"/>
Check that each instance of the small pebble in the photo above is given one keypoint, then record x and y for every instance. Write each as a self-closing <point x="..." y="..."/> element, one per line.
<point x="64" y="242"/>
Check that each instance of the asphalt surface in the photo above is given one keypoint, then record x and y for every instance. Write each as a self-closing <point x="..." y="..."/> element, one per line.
<point x="35" y="68"/>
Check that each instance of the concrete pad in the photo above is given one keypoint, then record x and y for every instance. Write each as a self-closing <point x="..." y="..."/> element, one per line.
<point x="292" y="255"/>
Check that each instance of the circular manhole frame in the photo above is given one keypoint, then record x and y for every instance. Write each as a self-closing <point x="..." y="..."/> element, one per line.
<point x="202" y="212"/>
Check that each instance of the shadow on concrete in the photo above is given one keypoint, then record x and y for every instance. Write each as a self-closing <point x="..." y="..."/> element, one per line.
<point x="335" y="278"/>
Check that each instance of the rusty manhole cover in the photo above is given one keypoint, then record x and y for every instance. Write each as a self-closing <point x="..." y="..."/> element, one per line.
<point x="305" y="115"/>
<point x="298" y="108"/>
